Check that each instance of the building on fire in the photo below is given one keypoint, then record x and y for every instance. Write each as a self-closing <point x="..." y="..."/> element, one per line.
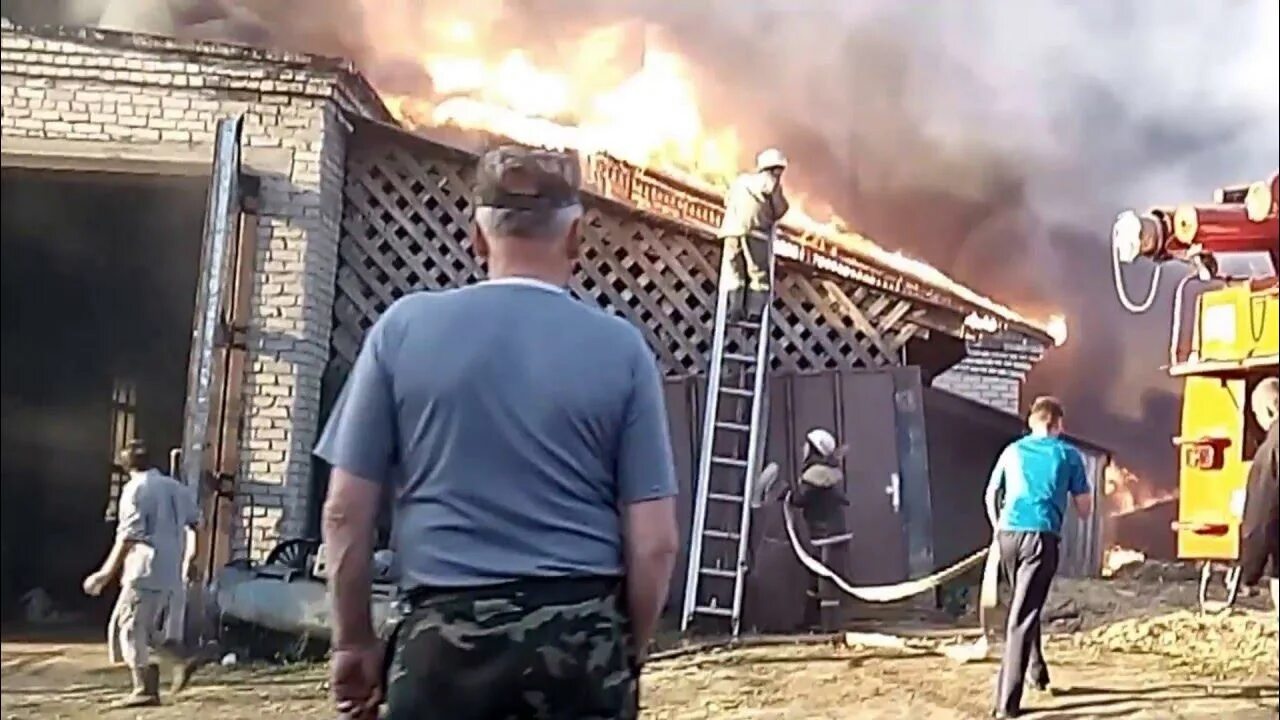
<point x="219" y="311"/>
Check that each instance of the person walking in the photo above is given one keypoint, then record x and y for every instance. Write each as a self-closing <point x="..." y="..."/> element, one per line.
<point x="1035" y="475"/>
<point x="154" y="556"/>
<point x="1260" y="518"/>
<point x="526" y="439"/>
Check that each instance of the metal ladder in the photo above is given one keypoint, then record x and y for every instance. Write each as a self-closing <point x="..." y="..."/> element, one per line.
<point x="717" y="565"/>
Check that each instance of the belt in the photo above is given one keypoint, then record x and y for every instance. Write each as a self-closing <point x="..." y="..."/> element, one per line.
<point x="540" y="590"/>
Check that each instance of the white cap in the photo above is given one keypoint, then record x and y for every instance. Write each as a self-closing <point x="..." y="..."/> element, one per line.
<point x="769" y="159"/>
<point x="822" y="441"/>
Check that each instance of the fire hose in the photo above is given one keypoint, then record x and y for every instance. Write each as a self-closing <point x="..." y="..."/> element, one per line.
<point x="875" y="593"/>
<point x="1123" y="295"/>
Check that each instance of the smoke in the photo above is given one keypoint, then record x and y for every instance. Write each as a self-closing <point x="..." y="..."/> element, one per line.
<point x="996" y="140"/>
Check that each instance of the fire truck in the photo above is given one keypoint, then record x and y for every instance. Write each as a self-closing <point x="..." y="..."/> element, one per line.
<point x="1230" y="346"/>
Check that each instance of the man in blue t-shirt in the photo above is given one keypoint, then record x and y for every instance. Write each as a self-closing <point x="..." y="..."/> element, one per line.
<point x="1036" y="475"/>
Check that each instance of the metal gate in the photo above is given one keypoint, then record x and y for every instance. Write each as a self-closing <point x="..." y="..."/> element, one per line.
<point x="879" y="413"/>
<point x="210" y="439"/>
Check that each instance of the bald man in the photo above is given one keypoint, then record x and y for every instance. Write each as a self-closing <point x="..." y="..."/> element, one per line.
<point x="1260" y="521"/>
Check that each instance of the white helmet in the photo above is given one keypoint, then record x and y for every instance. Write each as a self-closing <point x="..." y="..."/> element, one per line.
<point x="770" y="159"/>
<point x="822" y="441"/>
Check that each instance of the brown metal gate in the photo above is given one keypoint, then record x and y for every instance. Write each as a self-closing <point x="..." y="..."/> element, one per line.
<point x="210" y="442"/>
<point x="886" y="479"/>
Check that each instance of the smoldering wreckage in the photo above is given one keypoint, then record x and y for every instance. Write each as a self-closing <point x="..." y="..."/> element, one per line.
<point x="853" y="327"/>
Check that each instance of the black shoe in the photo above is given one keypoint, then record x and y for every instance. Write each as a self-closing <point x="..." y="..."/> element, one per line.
<point x="1003" y="715"/>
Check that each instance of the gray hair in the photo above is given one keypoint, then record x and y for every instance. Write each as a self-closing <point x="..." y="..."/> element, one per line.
<point x="527" y="224"/>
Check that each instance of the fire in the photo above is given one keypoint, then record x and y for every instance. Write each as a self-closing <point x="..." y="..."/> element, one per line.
<point x="1116" y="557"/>
<point x="648" y="116"/>
<point x="617" y="90"/>
<point x="1128" y="493"/>
<point x="1057" y="329"/>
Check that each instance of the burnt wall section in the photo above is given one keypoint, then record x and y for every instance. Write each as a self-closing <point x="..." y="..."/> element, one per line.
<point x="406" y="228"/>
<point x="84" y="98"/>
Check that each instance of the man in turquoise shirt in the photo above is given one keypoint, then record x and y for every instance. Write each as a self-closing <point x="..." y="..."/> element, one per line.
<point x="1036" y="474"/>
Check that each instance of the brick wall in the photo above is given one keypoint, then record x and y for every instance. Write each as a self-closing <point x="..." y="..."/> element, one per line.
<point x="992" y="372"/>
<point x="79" y="89"/>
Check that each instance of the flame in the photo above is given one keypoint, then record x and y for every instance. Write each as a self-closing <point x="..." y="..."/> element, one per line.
<point x="1126" y="492"/>
<point x="1057" y="329"/>
<point x="648" y="117"/>
<point x="602" y="100"/>
<point x="1115" y="557"/>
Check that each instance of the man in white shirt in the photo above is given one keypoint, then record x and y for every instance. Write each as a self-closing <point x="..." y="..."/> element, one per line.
<point x="153" y="555"/>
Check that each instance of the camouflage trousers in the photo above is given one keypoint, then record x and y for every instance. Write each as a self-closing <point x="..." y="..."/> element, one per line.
<point x="530" y="649"/>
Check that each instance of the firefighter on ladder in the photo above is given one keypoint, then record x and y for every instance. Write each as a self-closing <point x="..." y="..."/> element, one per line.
<point x="753" y="206"/>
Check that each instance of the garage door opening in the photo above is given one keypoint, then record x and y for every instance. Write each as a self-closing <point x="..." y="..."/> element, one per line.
<point x="99" y="282"/>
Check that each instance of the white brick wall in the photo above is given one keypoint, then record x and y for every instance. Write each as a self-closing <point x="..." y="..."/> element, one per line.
<point x="92" y="86"/>
<point x="992" y="372"/>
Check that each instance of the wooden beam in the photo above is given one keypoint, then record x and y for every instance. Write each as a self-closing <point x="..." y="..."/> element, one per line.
<point x="183" y="159"/>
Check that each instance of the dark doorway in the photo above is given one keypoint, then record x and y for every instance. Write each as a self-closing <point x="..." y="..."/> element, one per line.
<point x="99" y="274"/>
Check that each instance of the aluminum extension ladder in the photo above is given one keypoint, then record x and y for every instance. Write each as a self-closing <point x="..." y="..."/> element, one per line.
<point x="728" y="464"/>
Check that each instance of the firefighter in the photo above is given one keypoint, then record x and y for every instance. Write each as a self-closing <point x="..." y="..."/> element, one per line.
<point x="154" y="557"/>
<point x="526" y="438"/>
<point x="820" y="497"/>
<point x="1036" y="475"/>
<point x="753" y="206"/>
<point x="1260" y="521"/>
<point x="818" y="493"/>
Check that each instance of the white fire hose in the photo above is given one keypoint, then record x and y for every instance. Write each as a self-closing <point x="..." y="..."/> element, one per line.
<point x="973" y="652"/>
<point x="875" y="593"/>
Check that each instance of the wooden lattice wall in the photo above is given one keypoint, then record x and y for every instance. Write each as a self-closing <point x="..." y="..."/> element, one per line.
<point x="406" y="227"/>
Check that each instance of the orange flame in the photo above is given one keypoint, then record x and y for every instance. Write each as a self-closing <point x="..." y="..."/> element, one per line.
<point x="1057" y="329"/>
<point x="648" y="117"/>
<point x="1127" y="493"/>
<point x="1115" y="557"/>
<point x="602" y="98"/>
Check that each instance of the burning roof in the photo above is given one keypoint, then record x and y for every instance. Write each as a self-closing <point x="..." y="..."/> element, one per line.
<point x="641" y="138"/>
<point x="645" y="115"/>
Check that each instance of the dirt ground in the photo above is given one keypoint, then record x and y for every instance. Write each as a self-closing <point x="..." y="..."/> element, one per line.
<point x="1133" y="650"/>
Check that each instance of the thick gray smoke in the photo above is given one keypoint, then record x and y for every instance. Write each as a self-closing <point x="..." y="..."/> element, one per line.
<point x="994" y="139"/>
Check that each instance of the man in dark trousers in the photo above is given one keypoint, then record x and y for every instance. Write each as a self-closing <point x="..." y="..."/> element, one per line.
<point x="1036" y="475"/>
<point x="1260" y="521"/>
<point x="526" y="439"/>
<point x="820" y="495"/>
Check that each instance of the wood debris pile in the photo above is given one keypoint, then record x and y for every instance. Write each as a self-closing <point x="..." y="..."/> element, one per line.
<point x="1234" y="645"/>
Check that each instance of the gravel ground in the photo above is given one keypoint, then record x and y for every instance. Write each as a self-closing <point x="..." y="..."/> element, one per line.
<point x="1140" y="655"/>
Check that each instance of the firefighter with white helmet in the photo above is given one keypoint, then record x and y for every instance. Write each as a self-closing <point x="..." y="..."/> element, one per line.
<point x="820" y="496"/>
<point x="753" y="206"/>
<point x="819" y="491"/>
